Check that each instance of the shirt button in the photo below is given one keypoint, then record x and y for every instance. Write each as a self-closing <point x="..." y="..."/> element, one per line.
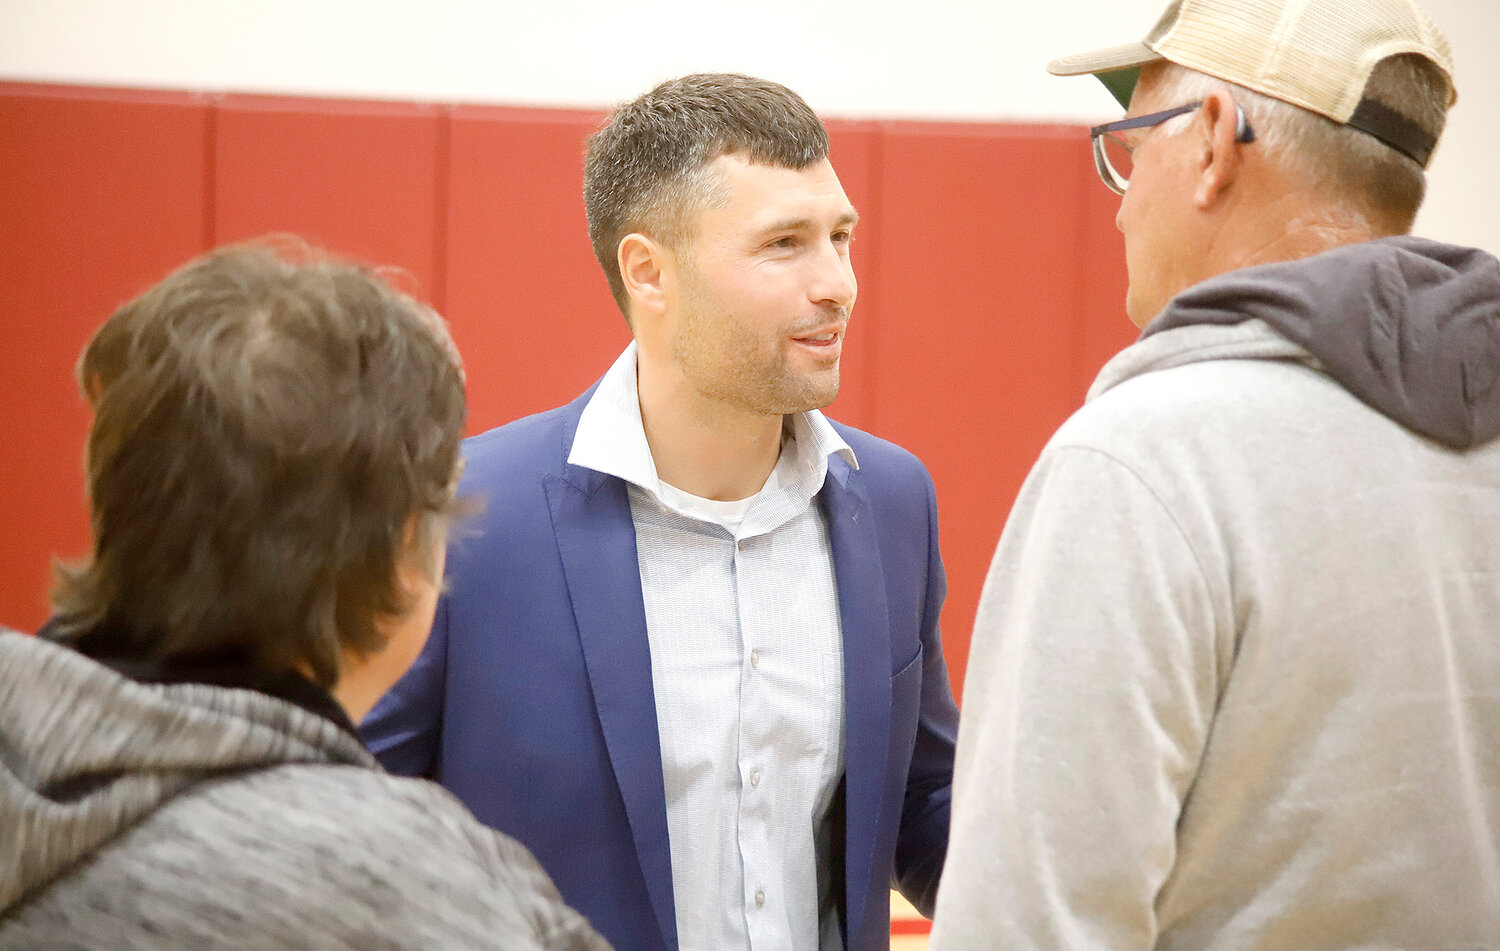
<point x="755" y="777"/>
<point x="755" y="657"/>
<point x="760" y="898"/>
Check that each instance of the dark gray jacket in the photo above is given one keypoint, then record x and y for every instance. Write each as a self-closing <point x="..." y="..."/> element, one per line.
<point x="167" y="816"/>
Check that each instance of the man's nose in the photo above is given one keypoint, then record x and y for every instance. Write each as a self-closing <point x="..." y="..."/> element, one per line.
<point x="834" y="283"/>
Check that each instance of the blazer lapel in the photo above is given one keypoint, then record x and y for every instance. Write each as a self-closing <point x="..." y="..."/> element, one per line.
<point x="867" y="673"/>
<point x="596" y="539"/>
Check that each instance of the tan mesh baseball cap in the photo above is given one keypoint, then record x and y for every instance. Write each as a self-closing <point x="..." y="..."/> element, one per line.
<point x="1317" y="54"/>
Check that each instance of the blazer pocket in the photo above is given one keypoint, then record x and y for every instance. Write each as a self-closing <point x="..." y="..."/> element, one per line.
<point x="906" y="691"/>
<point x="914" y="664"/>
<point x="906" y="708"/>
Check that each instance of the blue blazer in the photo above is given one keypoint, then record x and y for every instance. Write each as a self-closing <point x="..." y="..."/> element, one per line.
<point x="533" y="699"/>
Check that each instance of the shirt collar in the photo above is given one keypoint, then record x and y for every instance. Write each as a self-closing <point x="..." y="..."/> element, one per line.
<point x="611" y="439"/>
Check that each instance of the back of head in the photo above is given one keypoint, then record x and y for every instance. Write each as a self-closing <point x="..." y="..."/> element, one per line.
<point x="645" y="168"/>
<point x="1349" y="95"/>
<point x="268" y="431"/>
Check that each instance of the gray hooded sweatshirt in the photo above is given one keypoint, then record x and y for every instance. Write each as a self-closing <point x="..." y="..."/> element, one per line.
<point x="1235" y="677"/>
<point x="187" y="816"/>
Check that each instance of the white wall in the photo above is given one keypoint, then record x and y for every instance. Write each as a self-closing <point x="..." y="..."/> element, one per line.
<point x="964" y="59"/>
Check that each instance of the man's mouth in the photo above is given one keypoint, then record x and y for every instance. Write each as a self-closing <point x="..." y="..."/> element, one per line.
<point x="825" y="346"/>
<point x="819" y="340"/>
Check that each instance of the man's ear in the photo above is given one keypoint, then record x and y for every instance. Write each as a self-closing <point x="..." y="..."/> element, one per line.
<point x="643" y="267"/>
<point x="1219" y="161"/>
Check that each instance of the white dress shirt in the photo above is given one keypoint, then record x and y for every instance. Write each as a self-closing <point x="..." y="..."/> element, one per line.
<point x="742" y="616"/>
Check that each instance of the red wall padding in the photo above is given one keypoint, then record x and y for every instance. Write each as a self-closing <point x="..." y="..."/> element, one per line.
<point x="530" y="309"/>
<point x="987" y="237"/>
<point x="362" y="177"/>
<point x="991" y="276"/>
<point x="100" y="195"/>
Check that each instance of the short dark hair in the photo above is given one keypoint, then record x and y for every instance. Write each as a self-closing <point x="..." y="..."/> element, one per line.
<point x="640" y="169"/>
<point x="267" y="422"/>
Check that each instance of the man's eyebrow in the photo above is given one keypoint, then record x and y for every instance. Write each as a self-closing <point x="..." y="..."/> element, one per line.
<point x="847" y="220"/>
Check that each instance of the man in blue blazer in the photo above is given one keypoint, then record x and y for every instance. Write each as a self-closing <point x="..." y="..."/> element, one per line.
<point x="689" y="654"/>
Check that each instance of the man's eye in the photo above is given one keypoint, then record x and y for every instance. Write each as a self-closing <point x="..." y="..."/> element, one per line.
<point x="843" y="237"/>
<point x="786" y="241"/>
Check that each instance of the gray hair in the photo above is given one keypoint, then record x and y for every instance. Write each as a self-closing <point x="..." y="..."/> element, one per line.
<point x="1358" y="174"/>
<point x="646" y="168"/>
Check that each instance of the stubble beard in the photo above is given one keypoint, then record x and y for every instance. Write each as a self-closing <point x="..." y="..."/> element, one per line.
<point x="729" y="364"/>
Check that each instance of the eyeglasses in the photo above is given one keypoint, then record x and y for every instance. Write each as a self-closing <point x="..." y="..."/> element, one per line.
<point x="1112" y="154"/>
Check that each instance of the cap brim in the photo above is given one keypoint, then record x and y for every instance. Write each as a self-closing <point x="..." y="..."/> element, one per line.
<point x="1131" y="55"/>
<point x="1117" y="68"/>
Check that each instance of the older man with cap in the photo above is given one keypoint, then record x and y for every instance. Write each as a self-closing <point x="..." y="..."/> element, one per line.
<point x="1235" y="680"/>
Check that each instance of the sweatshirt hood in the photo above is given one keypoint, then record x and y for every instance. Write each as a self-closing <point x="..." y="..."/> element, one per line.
<point x="86" y="754"/>
<point x="1409" y="326"/>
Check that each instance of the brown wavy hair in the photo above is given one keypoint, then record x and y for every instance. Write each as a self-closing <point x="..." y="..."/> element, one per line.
<point x="271" y="424"/>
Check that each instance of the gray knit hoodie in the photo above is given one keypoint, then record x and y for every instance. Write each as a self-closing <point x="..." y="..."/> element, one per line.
<point x="169" y="816"/>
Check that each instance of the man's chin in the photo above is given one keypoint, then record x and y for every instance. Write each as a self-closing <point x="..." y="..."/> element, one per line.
<point x="819" y="393"/>
<point x="784" y="393"/>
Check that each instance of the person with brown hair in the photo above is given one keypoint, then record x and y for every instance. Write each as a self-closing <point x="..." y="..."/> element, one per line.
<point x="271" y="473"/>
<point x="1235" y="679"/>
<point x="691" y="656"/>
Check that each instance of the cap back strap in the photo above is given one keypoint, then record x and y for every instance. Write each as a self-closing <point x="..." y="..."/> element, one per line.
<point x="1394" y="129"/>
